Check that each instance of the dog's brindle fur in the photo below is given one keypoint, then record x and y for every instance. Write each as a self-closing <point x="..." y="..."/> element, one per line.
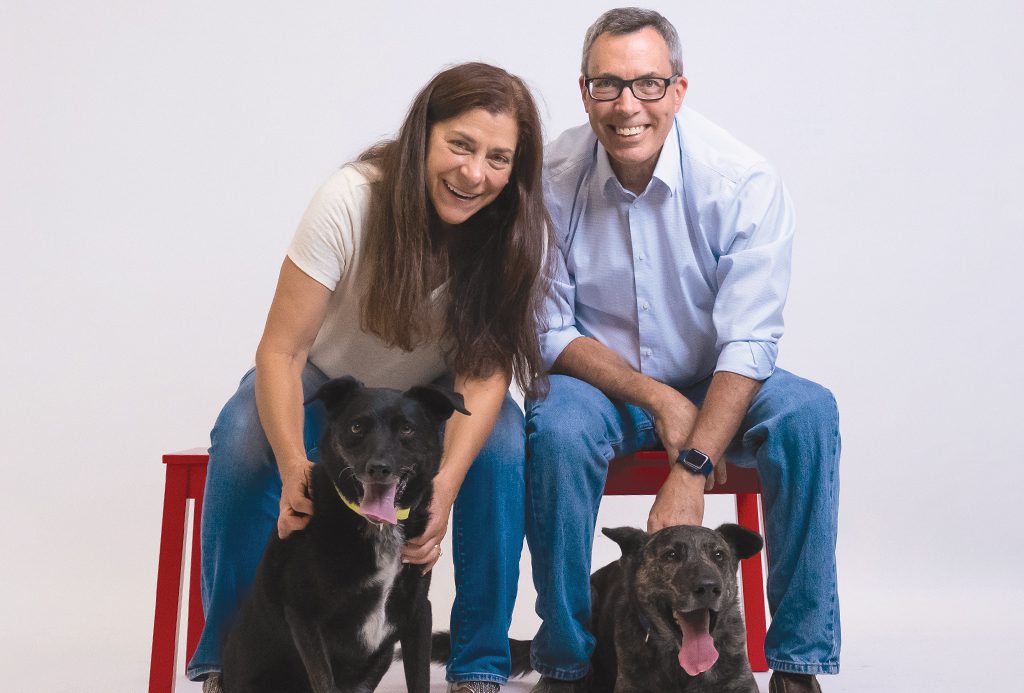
<point x="678" y="569"/>
<point x="328" y="603"/>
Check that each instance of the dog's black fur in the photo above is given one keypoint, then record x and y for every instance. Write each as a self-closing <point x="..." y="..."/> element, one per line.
<point x="638" y="602"/>
<point x="329" y="602"/>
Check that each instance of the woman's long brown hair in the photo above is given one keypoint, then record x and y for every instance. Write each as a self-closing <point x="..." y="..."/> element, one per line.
<point x="495" y="262"/>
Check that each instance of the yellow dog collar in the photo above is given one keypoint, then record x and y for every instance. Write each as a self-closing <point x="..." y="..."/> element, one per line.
<point x="400" y="513"/>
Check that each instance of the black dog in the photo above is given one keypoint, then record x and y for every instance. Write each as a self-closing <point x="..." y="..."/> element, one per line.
<point x="328" y="603"/>
<point x="666" y="615"/>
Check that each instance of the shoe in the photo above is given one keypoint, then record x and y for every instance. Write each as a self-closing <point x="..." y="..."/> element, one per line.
<point x="473" y="687"/>
<point x="549" y="685"/>
<point x="212" y="683"/>
<point x="786" y="682"/>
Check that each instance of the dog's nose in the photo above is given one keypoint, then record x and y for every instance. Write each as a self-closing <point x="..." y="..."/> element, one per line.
<point x="708" y="588"/>
<point x="379" y="472"/>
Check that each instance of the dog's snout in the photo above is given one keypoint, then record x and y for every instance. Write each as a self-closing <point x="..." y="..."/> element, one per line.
<point x="708" y="588"/>
<point x="379" y="473"/>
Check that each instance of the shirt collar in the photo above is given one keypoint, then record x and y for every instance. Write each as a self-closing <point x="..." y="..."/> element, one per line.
<point x="668" y="171"/>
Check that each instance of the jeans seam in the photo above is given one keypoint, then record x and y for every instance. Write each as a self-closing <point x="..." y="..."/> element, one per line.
<point x="477" y="676"/>
<point x="562" y="674"/>
<point x="461" y="614"/>
<point x="194" y="672"/>
<point x="831" y="667"/>
<point x="834" y="502"/>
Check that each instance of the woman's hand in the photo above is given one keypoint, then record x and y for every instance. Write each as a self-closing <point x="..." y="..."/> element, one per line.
<point x="425" y="549"/>
<point x="296" y="507"/>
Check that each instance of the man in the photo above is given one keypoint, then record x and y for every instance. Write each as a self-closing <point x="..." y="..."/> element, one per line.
<point x="665" y="317"/>
<point x="674" y="249"/>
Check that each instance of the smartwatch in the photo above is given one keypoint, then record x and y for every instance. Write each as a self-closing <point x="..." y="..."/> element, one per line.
<point x="695" y="462"/>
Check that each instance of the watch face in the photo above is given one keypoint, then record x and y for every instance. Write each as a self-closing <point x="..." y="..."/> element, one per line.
<point x="691" y="461"/>
<point x="694" y="460"/>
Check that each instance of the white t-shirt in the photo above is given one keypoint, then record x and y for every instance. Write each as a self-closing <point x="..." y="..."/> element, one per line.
<point x="327" y="247"/>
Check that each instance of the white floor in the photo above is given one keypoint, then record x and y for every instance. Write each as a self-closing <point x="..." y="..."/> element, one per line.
<point x="895" y="649"/>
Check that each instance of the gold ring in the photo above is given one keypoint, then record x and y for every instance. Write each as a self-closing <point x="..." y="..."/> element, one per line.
<point x="438" y="547"/>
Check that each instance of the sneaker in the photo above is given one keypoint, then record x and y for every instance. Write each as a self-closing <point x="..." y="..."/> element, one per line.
<point x="474" y="687"/>
<point x="212" y="683"/>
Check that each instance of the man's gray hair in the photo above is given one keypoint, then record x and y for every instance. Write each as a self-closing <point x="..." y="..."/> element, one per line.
<point x="626" y="20"/>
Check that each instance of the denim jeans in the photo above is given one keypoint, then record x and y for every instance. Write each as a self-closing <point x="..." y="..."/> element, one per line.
<point x="240" y="507"/>
<point x="790" y="434"/>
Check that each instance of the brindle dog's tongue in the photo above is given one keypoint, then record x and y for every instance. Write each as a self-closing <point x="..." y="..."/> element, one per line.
<point x="698" y="653"/>
<point x="379" y="503"/>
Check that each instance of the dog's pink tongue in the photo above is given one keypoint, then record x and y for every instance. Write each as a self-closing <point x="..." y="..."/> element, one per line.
<point x="379" y="503"/>
<point x="698" y="653"/>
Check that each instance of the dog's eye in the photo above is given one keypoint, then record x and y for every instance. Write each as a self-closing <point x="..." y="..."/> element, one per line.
<point x="356" y="427"/>
<point x="405" y="430"/>
<point x="671" y="555"/>
<point x="718" y="555"/>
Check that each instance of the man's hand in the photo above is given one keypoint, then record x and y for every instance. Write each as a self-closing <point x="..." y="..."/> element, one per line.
<point x="679" y="502"/>
<point x="296" y="507"/>
<point x="674" y="417"/>
<point x="425" y="549"/>
<point x="720" y="475"/>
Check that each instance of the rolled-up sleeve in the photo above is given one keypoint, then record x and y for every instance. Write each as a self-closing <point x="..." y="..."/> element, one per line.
<point x="753" y="274"/>
<point x="559" y="326"/>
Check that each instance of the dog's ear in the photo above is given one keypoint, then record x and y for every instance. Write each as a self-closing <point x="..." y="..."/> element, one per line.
<point x="629" y="539"/>
<point x="440" y="402"/>
<point x="744" y="542"/>
<point x="336" y="392"/>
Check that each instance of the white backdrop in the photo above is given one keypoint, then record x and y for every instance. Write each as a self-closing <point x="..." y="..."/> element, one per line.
<point x="155" y="158"/>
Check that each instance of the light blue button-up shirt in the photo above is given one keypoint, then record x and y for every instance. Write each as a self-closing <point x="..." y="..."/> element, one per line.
<point x="685" y="279"/>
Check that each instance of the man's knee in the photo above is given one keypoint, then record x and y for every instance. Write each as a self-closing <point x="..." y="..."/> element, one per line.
<point x="801" y="406"/>
<point x="575" y="420"/>
<point x="813" y="409"/>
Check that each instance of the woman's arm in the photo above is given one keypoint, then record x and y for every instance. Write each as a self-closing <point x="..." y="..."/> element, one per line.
<point x="296" y="314"/>
<point x="464" y="436"/>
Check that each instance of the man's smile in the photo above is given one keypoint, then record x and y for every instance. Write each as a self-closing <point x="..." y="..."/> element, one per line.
<point x="632" y="131"/>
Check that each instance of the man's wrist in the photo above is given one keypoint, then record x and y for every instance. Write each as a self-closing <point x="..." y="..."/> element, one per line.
<point x="686" y="479"/>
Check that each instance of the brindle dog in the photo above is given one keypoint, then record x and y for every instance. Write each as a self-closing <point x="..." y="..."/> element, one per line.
<point x="666" y="615"/>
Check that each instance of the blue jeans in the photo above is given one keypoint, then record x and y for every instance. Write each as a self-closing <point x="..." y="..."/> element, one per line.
<point x="240" y="507"/>
<point x="790" y="434"/>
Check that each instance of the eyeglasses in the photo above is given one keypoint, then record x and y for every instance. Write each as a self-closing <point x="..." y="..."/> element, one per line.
<point x="643" y="88"/>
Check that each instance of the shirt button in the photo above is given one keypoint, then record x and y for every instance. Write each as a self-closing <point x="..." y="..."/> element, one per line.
<point x="645" y="305"/>
<point x="645" y="351"/>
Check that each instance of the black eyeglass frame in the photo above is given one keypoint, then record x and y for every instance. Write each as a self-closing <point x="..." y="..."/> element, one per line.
<point x="623" y="83"/>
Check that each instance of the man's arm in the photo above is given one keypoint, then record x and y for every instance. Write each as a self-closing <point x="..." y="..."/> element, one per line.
<point x="678" y="422"/>
<point x="753" y="279"/>
<point x="681" y="498"/>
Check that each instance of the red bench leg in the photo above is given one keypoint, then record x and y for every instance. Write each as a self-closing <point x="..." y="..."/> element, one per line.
<point x="168" y="582"/>
<point x="753" y="585"/>
<point x="197" y="482"/>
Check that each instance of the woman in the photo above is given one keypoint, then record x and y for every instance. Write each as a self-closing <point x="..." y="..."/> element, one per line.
<point x="424" y="257"/>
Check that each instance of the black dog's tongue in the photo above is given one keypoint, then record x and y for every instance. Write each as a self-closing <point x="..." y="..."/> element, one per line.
<point x="379" y="503"/>
<point x="697" y="653"/>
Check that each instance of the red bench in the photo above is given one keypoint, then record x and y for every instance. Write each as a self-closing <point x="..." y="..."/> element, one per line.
<point x="638" y="474"/>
